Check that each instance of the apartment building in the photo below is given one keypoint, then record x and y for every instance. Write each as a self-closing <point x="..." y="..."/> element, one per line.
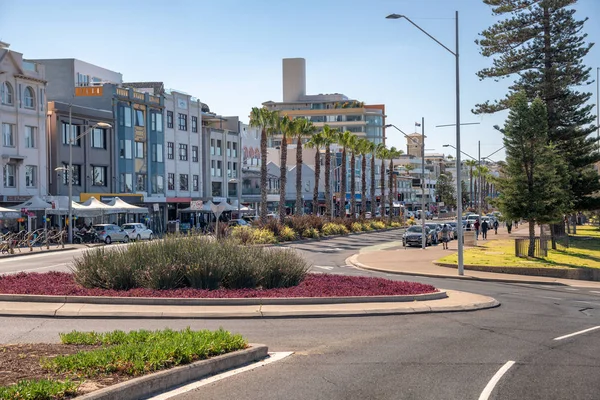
<point x="24" y="159"/>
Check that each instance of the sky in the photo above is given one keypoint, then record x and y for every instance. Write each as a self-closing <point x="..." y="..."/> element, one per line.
<point x="228" y="53"/>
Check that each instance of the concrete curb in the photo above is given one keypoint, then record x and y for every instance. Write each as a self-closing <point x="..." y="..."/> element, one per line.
<point x="255" y="301"/>
<point x="162" y="381"/>
<point x="30" y="253"/>
<point x="352" y="260"/>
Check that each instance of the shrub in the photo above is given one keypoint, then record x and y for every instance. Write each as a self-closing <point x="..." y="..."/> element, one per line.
<point x="312" y="233"/>
<point x="357" y="227"/>
<point x="273" y="225"/>
<point x="263" y="236"/>
<point x="347" y="222"/>
<point x="300" y="223"/>
<point x="286" y="234"/>
<point x="243" y="234"/>
<point x="332" y="228"/>
<point x="395" y="224"/>
<point x="39" y="389"/>
<point x="411" y="221"/>
<point x="378" y="224"/>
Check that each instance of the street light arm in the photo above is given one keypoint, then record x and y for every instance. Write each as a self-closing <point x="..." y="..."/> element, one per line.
<point x="449" y="145"/>
<point x="425" y="32"/>
<point x="494" y="152"/>
<point x="402" y="132"/>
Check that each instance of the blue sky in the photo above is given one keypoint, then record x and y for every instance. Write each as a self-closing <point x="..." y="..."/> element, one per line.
<point x="228" y="52"/>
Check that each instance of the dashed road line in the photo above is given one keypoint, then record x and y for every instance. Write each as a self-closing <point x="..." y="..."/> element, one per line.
<point x="328" y="268"/>
<point x="489" y="388"/>
<point x="577" y="333"/>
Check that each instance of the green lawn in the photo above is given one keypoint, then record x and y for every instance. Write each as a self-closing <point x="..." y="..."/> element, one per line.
<point x="584" y="252"/>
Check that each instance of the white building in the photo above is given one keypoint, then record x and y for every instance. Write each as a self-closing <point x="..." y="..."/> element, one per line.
<point x="23" y="123"/>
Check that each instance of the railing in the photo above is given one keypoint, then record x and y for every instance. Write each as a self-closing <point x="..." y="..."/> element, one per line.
<point x="122" y="92"/>
<point x="24" y="239"/>
<point x="540" y="247"/>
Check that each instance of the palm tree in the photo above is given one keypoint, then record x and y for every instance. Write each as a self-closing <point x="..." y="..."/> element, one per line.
<point x="482" y="172"/>
<point x="383" y="154"/>
<point x="471" y="164"/>
<point x="343" y="140"/>
<point x="286" y="126"/>
<point x="364" y="147"/>
<point x="393" y="153"/>
<point x="353" y="147"/>
<point x="265" y="120"/>
<point x="317" y="141"/>
<point x="329" y="137"/>
<point x="303" y="128"/>
<point x="373" y="151"/>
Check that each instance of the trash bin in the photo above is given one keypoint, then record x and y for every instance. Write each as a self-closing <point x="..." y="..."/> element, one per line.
<point x="469" y="238"/>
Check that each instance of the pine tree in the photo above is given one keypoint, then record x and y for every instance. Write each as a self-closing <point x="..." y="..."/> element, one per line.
<point x="534" y="185"/>
<point x="541" y="43"/>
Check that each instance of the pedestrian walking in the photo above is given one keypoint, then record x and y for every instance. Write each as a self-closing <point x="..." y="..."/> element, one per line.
<point x="476" y="226"/>
<point x="496" y="224"/>
<point x="484" y="228"/>
<point x="509" y="227"/>
<point x="445" y="236"/>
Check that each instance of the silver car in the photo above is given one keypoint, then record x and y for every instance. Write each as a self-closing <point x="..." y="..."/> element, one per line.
<point x="109" y="233"/>
<point x="138" y="231"/>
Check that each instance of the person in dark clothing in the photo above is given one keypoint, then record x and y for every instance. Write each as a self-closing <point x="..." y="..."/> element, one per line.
<point x="509" y="226"/>
<point x="484" y="228"/>
<point x="496" y="224"/>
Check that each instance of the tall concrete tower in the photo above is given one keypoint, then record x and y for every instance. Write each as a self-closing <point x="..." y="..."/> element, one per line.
<point x="294" y="79"/>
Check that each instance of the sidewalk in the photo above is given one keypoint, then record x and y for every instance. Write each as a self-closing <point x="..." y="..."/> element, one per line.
<point x="413" y="261"/>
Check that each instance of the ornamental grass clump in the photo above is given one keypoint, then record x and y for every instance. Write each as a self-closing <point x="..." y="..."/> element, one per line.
<point x="301" y="223"/>
<point x="263" y="236"/>
<point x="287" y="234"/>
<point x="378" y="225"/>
<point x="311" y="233"/>
<point x="357" y="227"/>
<point x="331" y="228"/>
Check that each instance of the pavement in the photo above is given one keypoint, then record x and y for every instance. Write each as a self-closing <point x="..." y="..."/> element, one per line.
<point x="393" y="258"/>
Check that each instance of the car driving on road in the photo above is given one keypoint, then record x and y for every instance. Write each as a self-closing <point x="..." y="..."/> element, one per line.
<point x="413" y="236"/>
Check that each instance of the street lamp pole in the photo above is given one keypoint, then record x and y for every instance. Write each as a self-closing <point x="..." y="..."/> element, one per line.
<point x="455" y="53"/>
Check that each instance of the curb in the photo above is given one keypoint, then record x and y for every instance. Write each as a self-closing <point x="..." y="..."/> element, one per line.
<point x="254" y="301"/>
<point x="352" y="261"/>
<point x="30" y="253"/>
<point x="162" y="381"/>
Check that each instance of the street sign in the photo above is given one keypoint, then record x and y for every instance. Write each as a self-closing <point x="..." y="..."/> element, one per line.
<point x="196" y="205"/>
<point x="155" y="207"/>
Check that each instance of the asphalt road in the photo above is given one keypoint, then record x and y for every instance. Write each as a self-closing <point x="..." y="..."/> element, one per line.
<point x="428" y="356"/>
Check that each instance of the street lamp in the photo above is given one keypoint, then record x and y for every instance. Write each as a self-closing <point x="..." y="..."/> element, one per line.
<point x="470" y="156"/>
<point x="239" y="195"/>
<point x="72" y="139"/>
<point x="458" y="152"/>
<point x="423" y="237"/>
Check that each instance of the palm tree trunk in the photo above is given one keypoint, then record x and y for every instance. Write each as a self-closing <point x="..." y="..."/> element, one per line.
<point x="299" y="202"/>
<point x="343" y="187"/>
<point x="352" y="185"/>
<point x="382" y="201"/>
<point x="328" y="210"/>
<point x="471" y="184"/>
<point x="373" y="199"/>
<point x="363" y="185"/>
<point x="315" y="206"/>
<point x="391" y="182"/>
<point x="282" y="178"/>
<point x="531" y="249"/>
<point x="263" y="175"/>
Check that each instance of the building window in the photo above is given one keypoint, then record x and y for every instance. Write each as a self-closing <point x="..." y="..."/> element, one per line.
<point x="98" y="176"/>
<point x="219" y="168"/>
<point x="182" y="121"/>
<point x="158" y="184"/>
<point x="228" y="149"/>
<point x="8" y="135"/>
<point x="30" y="137"/>
<point x="229" y="169"/>
<point x="156" y="122"/>
<point x="29" y="97"/>
<point x="75" y="172"/>
<point x="141" y="183"/>
<point x="98" y="138"/>
<point x="212" y="147"/>
<point x="169" y="119"/>
<point x="125" y="119"/>
<point x="194" y="124"/>
<point x="83" y="80"/>
<point x="66" y="138"/>
<point x="171" y="181"/>
<point x="217" y="189"/>
<point x="183" y="152"/>
<point x="234" y="151"/>
<point x="140" y="149"/>
<point x="139" y="118"/>
<point x="126" y="183"/>
<point x="183" y="182"/>
<point x="213" y="167"/>
<point x="170" y="150"/>
<point x="234" y="170"/>
<point x="125" y="149"/>
<point x="195" y="180"/>
<point x="218" y="148"/>
<point x="10" y="172"/>
<point x="30" y="176"/>
<point x="6" y="94"/>
<point x="157" y="153"/>
<point x="195" y="153"/>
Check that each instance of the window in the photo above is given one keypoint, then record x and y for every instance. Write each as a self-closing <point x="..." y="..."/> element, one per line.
<point x="219" y="168"/>
<point x="83" y="80"/>
<point x="194" y="124"/>
<point x="126" y="183"/>
<point x="6" y="94"/>
<point x="183" y="152"/>
<point x="29" y="97"/>
<point x="10" y="172"/>
<point x="156" y="122"/>
<point x="229" y="169"/>
<point x="140" y="149"/>
<point x="125" y="149"/>
<point x="212" y="147"/>
<point x="234" y="152"/>
<point x="195" y="153"/>
<point x="213" y="166"/>
<point x="30" y="137"/>
<point x="8" y="135"/>
<point x="234" y="170"/>
<point x="170" y="150"/>
<point x="66" y="138"/>
<point x="183" y="182"/>
<point x="169" y="119"/>
<point x="141" y="183"/>
<point x="139" y="118"/>
<point x="75" y="172"/>
<point x="218" y="148"/>
<point x="98" y="138"/>
<point x="125" y="119"/>
<point x="228" y="149"/>
<point x="158" y="184"/>
<point x="98" y="176"/>
<point x="182" y="121"/>
<point x="171" y="181"/>
<point x="30" y="176"/>
<point x="195" y="180"/>
<point x="157" y="152"/>
<point x="217" y="189"/>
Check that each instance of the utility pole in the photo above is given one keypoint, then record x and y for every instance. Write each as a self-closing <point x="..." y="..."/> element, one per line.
<point x="423" y="236"/>
<point x="479" y="178"/>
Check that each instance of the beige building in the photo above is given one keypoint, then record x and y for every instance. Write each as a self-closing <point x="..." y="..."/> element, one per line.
<point x="23" y="123"/>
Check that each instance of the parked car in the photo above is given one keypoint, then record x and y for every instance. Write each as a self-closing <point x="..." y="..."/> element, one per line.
<point x="138" y="231"/>
<point x="454" y="227"/>
<point x="109" y="233"/>
<point x="413" y="236"/>
<point x="436" y="231"/>
<point x="238" y="222"/>
<point x="368" y="215"/>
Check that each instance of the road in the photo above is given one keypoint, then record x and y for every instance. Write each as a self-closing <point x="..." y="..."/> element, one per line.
<point x="428" y="356"/>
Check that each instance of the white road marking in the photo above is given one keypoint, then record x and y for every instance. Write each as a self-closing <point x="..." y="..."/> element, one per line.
<point x="323" y="267"/>
<point x="577" y="333"/>
<point x="551" y="298"/>
<point x="487" y="391"/>
<point x="273" y="357"/>
<point x="594" y="291"/>
<point x="26" y="257"/>
<point x="570" y="288"/>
